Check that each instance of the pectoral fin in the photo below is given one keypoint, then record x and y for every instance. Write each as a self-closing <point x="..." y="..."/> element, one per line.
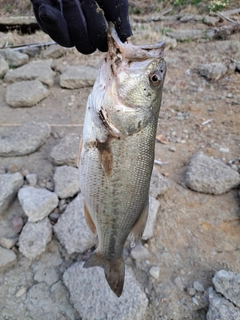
<point x="114" y="271"/>
<point x="89" y="220"/>
<point x="138" y="228"/>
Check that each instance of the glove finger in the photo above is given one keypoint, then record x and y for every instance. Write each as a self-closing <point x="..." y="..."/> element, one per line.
<point x="55" y="25"/>
<point x="77" y="26"/>
<point x="96" y="24"/>
<point x="36" y="4"/>
<point x="117" y="12"/>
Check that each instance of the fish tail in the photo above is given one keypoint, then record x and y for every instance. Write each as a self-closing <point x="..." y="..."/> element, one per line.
<point x="114" y="271"/>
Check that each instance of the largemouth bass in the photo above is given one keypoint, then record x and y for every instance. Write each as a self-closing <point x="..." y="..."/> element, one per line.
<point x="117" y="150"/>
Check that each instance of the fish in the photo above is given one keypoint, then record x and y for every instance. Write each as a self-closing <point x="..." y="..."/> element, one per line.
<point x="117" y="150"/>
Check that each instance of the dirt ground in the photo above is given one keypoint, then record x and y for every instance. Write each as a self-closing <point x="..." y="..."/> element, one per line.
<point x="195" y="234"/>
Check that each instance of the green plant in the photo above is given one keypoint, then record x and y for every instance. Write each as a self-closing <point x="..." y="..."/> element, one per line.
<point x="218" y="5"/>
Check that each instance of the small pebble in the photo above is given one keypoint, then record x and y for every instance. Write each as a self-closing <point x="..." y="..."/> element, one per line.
<point x="178" y="283"/>
<point x="8" y="243"/>
<point x="154" y="272"/>
<point x="25" y="172"/>
<point x="226" y="150"/>
<point x="54" y="216"/>
<point x="32" y="179"/>
<point x="17" y="223"/>
<point x="194" y="300"/>
<point x="2" y="170"/>
<point x="13" y="168"/>
<point x="173" y="149"/>
<point x="198" y="286"/>
<point x="191" y="291"/>
<point x="20" y="291"/>
<point x="50" y="186"/>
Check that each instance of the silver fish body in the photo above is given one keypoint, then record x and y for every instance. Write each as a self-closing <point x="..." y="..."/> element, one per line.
<point x="117" y="151"/>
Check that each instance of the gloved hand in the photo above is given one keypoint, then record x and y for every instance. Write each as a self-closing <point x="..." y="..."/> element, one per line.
<point x="82" y="23"/>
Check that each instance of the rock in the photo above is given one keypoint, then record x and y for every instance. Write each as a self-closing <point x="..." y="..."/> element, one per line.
<point x="32" y="179"/>
<point x="9" y="186"/>
<point x="14" y="58"/>
<point x="2" y="170"/>
<point x="220" y="308"/>
<point x="103" y="304"/>
<point x="75" y="77"/>
<point x="139" y="253"/>
<point x="198" y="286"/>
<point x="72" y="230"/>
<point x="47" y="275"/>
<point x="66" y="152"/>
<point x="35" y="70"/>
<point x="228" y="284"/>
<point x="210" y="21"/>
<point x="25" y="140"/>
<point x="154" y="272"/>
<point x="7" y="258"/>
<point x="158" y="184"/>
<point x="54" y="51"/>
<point x="215" y="70"/>
<point x="8" y="243"/>
<point x="26" y="93"/>
<point x="178" y="283"/>
<point x="3" y="66"/>
<point x="37" y="203"/>
<point x="66" y="181"/>
<point x="152" y="215"/>
<point x="185" y="35"/>
<point x="170" y="42"/>
<point x="207" y="175"/>
<point x="191" y="291"/>
<point x="187" y="17"/>
<point x="34" y="238"/>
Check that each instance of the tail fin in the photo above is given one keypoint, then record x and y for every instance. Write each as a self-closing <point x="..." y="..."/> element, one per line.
<point x="114" y="271"/>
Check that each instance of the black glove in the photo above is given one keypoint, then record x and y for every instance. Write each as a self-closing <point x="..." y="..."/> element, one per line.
<point x="82" y="23"/>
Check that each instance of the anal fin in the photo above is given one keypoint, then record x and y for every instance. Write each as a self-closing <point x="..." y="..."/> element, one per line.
<point x="139" y="226"/>
<point x="89" y="220"/>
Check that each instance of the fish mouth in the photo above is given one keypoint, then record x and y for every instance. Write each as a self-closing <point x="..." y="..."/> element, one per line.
<point x="119" y="52"/>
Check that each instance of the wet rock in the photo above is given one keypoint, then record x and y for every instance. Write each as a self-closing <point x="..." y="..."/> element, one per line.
<point x="7" y="258"/>
<point x="207" y="175"/>
<point x="220" y="308"/>
<point x="3" y="66"/>
<point x="154" y="272"/>
<point x="66" y="179"/>
<point x="75" y="77"/>
<point x="25" y="139"/>
<point x="139" y="253"/>
<point x="66" y="152"/>
<point x="9" y="186"/>
<point x="158" y="184"/>
<point x="34" y="238"/>
<point x="215" y="70"/>
<point x="54" y="52"/>
<point x="210" y="21"/>
<point x="228" y="284"/>
<point x="8" y="243"/>
<point x="35" y="70"/>
<point x="14" y="58"/>
<point x="72" y="230"/>
<point x="32" y="179"/>
<point x="103" y="304"/>
<point x="152" y="215"/>
<point x="185" y="35"/>
<point x="26" y="93"/>
<point x="37" y="203"/>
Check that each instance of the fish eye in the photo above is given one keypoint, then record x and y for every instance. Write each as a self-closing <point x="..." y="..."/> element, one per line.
<point x="155" y="78"/>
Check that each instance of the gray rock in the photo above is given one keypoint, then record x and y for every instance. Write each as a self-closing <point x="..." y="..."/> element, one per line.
<point x="25" y="139"/>
<point x="36" y="70"/>
<point x="47" y="275"/>
<point x="215" y="70"/>
<point x="7" y="258"/>
<point x="103" y="303"/>
<point x="185" y="35"/>
<point x="198" y="286"/>
<point x="3" y="66"/>
<point x="8" y="243"/>
<point x="72" y="230"/>
<point x="32" y="179"/>
<point x="34" y="238"/>
<point x="228" y="284"/>
<point x="207" y="175"/>
<point x="66" y="152"/>
<point x="158" y="184"/>
<point x="154" y="272"/>
<point x="66" y="179"/>
<point x="220" y="308"/>
<point x="54" y="51"/>
<point x="75" y="77"/>
<point x="152" y="215"/>
<point x="139" y="253"/>
<point x="210" y="21"/>
<point x="26" y="93"/>
<point x="14" y="58"/>
<point x="37" y="203"/>
<point x="9" y="186"/>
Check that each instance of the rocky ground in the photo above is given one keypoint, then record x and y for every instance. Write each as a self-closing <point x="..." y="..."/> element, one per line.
<point x="187" y="265"/>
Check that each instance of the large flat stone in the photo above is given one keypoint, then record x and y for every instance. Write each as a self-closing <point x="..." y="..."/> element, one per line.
<point x="75" y="77"/>
<point x="14" y="58"/>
